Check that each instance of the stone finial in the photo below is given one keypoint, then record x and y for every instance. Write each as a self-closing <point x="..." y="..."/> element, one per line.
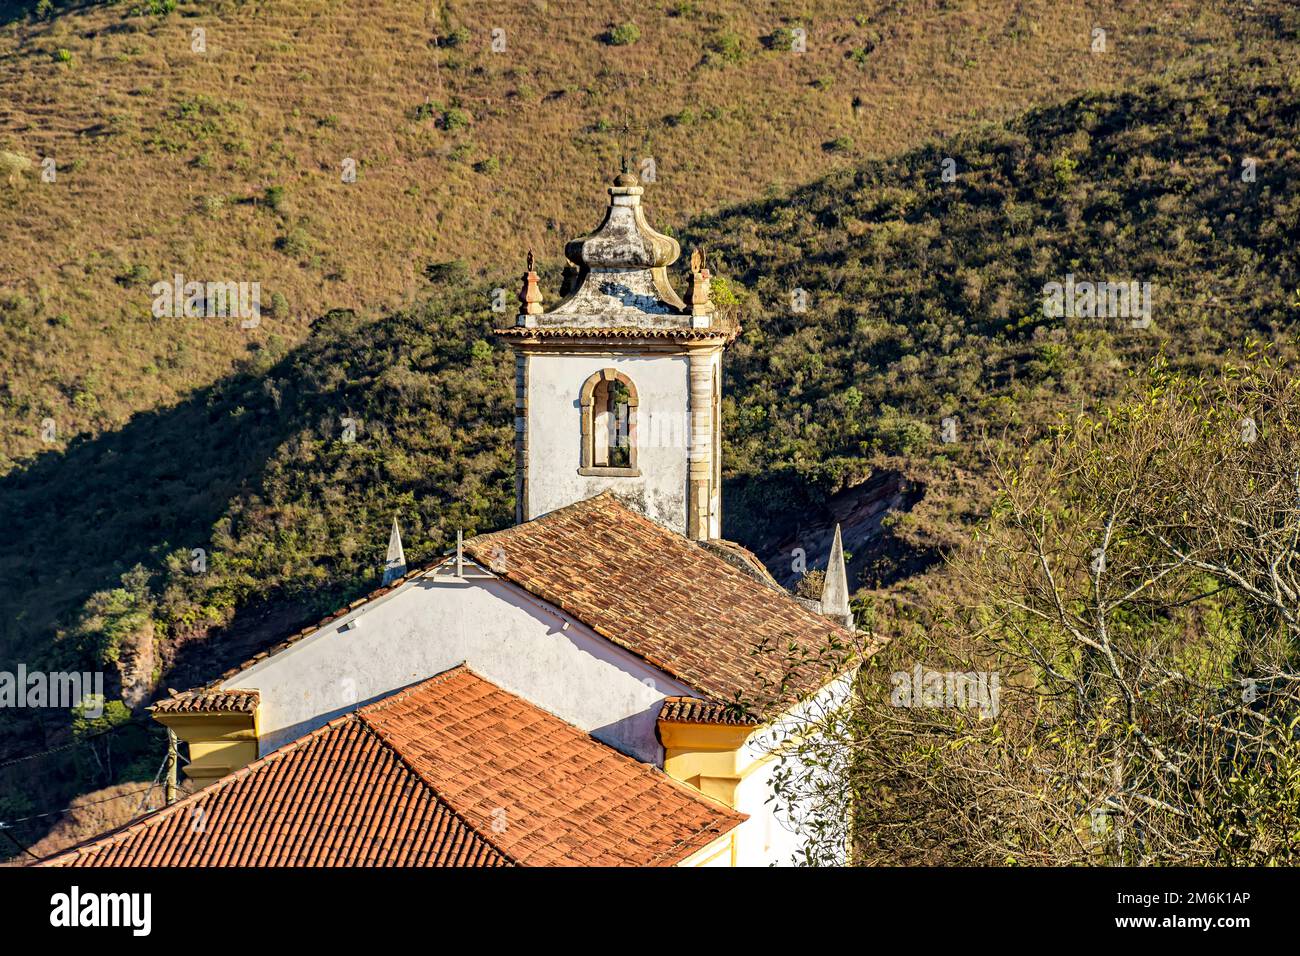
<point x="530" y="297"/>
<point x="395" y="563"/>
<point x="835" y="589"/>
<point x="697" y="297"/>
<point x="625" y="240"/>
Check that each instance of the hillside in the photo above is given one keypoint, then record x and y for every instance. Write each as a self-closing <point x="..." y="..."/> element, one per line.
<point x="226" y="164"/>
<point x="924" y="301"/>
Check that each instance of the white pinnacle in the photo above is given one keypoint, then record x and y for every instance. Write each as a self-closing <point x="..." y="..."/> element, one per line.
<point x="835" y="589"/>
<point x="395" y="563"/>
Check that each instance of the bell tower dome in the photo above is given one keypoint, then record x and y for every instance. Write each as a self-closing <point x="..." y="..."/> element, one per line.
<point x="618" y="388"/>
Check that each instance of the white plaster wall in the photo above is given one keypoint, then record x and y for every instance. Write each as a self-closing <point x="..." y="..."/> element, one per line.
<point x="771" y="836"/>
<point x="436" y="622"/>
<point x="555" y="433"/>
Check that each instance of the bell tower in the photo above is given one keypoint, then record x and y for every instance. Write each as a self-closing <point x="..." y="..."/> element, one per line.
<point x="618" y="388"/>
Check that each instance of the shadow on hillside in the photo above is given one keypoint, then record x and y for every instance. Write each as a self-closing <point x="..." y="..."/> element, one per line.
<point x="76" y="520"/>
<point x="14" y="10"/>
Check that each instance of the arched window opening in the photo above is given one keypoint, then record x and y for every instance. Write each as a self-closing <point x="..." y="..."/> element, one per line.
<point x="609" y="405"/>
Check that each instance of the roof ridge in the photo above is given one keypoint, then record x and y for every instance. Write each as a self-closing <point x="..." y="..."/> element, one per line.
<point x="637" y="766"/>
<point x="729" y="573"/>
<point x="569" y="725"/>
<point x="403" y="692"/>
<point x="658" y="529"/>
<point x="424" y="781"/>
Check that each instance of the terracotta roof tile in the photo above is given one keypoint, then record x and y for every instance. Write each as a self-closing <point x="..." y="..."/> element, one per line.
<point x="451" y="772"/>
<point x="726" y="332"/>
<point x="683" y="607"/>
<point x="671" y="602"/>
<point x="336" y="797"/>
<point x="692" y="710"/>
<point x="209" y="702"/>
<point x="549" y="794"/>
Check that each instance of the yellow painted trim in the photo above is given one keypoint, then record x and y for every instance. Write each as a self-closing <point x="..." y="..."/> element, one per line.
<point x="219" y="743"/>
<point x="709" y="756"/>
<point x="706" y="756"/>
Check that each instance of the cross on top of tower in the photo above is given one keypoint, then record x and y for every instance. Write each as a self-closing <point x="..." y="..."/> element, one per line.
<point x="625" y="155"/>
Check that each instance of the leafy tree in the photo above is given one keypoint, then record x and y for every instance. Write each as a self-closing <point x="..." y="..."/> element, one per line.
<point x="1136" y="594"/>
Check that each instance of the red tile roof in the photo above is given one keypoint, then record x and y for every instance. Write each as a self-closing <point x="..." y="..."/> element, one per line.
<point x="692" y="710"/>
<point x="724" y="333"/>
<point x="701" y="576"/>
<point x="336" y="797"/>
<point x="548" y="793"/>
<point x="670" y="601"/>
<point x="451" y="772"/>
<point x="209" y="702"/>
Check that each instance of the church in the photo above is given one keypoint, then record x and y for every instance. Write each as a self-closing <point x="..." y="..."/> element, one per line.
<point x="606" y="683"/>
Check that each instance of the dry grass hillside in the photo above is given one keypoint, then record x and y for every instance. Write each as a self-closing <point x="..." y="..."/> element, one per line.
<point x="227" y="164"/>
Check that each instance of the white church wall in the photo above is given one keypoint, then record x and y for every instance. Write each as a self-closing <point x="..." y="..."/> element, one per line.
<point x="438" y="621"/>
<point x="555" y="433"/>
<point x="773" y="832"/>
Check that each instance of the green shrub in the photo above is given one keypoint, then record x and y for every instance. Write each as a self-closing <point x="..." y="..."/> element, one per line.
<point x="623" y="35"/>
<point x="295" y="243"/>
<point x="722" y="291"/>
<point x="1063" y="168"/>
<point x="153" y="8"/>
<point x="899" y="435"/>
<point x="454" y="119"/>
<point x="274" y="197"/>
<point x="782" y="40"/>
<point x="134" y="275"/>
<point x="728" y="47"/>
<point x="211" y="205"/>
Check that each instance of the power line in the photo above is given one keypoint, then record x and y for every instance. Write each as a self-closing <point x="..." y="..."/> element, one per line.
<point x="14" y="841"/>
<point x="145" y="798"/>
<point x="7" y="825"/>
<point x="73" y="743"/>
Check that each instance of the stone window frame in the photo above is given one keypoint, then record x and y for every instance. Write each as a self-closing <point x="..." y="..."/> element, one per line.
<point x="586" y="401"/>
